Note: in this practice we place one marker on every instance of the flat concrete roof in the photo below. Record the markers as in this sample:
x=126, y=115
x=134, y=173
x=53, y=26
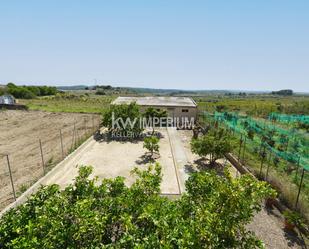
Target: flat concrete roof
x=156, y=101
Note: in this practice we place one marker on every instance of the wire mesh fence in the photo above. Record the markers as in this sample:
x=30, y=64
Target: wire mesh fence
x=21, y=169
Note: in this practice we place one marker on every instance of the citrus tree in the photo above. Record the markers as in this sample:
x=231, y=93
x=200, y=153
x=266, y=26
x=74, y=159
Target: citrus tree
x=151, y=144
x=152, y=113
x=211, y=214
x=123, y=119
x=215, y=144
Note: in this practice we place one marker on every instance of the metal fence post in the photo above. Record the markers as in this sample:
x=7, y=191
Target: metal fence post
x=99, y=123
x=73, y=137
x=76, y=135
x=268, y=165
x=10, y=171
x=298, y=161
x=244, y=150
x=42, y=157
x=89, y=125
x=92, y=123
x=85, y=127
x=299, y=189
x=62, y=150
x=262, y=160
x=240, y=146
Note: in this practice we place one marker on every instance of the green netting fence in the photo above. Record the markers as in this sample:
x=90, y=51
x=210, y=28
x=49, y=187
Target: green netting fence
x=287, y=118
x=267, y=141
x=287, y=144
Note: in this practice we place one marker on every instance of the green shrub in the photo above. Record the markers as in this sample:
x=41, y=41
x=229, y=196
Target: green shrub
x=100, y=92
x=216, y=143
x=123, y=119
x=151, y=144
x=20, y=92
x=151, y=113
x=211, y=214
x=29, y=92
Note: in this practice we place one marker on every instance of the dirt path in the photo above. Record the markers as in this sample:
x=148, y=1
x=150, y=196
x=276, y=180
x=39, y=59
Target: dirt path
x=268, y=226
x=20, y=132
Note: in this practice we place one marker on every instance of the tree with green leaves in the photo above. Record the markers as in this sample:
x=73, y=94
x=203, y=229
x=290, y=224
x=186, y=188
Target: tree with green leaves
x=152, y=113
x=211, y=214
x=29, y=92
x=20, y=92
x=151, y=144
x=215, y=144
x=123, y=119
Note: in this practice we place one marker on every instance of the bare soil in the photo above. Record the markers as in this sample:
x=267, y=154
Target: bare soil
x=20, y=132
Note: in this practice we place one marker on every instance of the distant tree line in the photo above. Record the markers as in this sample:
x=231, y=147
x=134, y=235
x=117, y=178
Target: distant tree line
x=285, y=92
x=28, y=92
x=100, y=90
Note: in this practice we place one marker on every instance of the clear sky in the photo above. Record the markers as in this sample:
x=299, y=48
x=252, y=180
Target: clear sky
x=231, y=44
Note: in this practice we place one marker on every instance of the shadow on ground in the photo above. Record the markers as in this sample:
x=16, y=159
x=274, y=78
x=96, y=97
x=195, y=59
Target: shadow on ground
x=107, y=137
x=147, y=158
x=293, y=238
x=203, y=164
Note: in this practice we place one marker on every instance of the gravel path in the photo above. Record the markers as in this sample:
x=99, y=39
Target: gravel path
x=268, y=226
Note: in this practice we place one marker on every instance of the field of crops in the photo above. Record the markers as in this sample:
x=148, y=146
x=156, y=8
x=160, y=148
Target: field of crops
x=69, y=103
x=257, y=105
x=275, y=153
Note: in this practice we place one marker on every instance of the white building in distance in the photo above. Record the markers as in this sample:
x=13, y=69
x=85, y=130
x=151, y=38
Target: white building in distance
x=176, y=107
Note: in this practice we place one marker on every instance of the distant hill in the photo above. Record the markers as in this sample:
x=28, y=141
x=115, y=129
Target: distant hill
x=140, y=90
x=72, y=88
x=172, y=92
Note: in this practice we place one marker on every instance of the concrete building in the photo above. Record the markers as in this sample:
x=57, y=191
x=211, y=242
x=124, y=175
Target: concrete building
x=176, y=107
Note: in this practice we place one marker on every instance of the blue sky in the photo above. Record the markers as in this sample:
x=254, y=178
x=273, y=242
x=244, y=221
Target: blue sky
x=249, y=45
